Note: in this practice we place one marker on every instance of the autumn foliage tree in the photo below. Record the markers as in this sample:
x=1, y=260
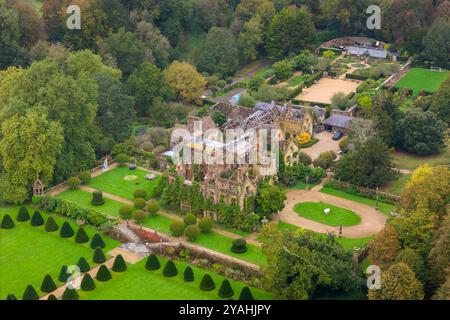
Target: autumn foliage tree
x=185, y=81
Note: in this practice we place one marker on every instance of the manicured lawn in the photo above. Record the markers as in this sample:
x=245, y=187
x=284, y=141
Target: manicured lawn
x=396, y=186
x=110, y=208
x=419, y=79
x=137, y=283
x=409, y=161
x=337, y=217
x=297, y=80
x=29, y=253
x=113, y=182
x=385, y=208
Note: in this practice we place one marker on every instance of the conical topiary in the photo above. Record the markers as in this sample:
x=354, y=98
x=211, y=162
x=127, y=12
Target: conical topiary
x=70, y=294
x=99, y=256
x=225, y=290
x=48, y=285
x=81, y=236
x=103, y=274
x=30, y=293
x=246, y=294
x=170, y=270
x=87, y=284
x=50, y=225
x=119, y=264
x=66, y=230
x=36, y=219
x=52, y=297
x=83, y=265
x=7, y=222
x=188, y=274
x=97, y=241
x=11, y=297
x=152, y=263
x=63, y=275
x=207, y=283
x=23, y=214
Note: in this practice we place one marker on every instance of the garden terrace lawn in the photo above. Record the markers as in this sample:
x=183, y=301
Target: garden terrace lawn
x=419, y=79
x=410, y=161
x=385, y=208
x=337, y=217
x=137, y=283
x=113, y=182
x=396, y=186
x=29, y=253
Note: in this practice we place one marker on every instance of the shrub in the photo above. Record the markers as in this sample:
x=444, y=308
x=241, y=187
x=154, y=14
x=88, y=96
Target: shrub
x=125, y=212
x=30, y=293
x=11, y=297
x=207, y=283
x=119, y=264
x=190, y=219
x=66, y=230
x=139, y=203
x=177, y=228
x=83, y=265
x=188, y=275
x=70, y=294
x=225, y=290
x=97, y=242
x=52, y=297
x=325, y=159
x=99, y=256
x=7, y=222
x=246, y=294
x=247, y=101
x=147, y=146
x=48, y=285
x=122, y=159
x=85, y=177
x=283, y=69
x=239, y=246
x=73, y=182
x=170, y=269
x=36, y=219
x=304, y=158
x=63, y=275
x=103, y=274
x=205, y=225
x=51, y=225
x=191, y=232
x=139, y=193
x=36, y=200
x=23, y=214
x=87, y=284
x=152, y=208
x=81, y=236
x=152, y=263
x=139, y=216
x=97, y=198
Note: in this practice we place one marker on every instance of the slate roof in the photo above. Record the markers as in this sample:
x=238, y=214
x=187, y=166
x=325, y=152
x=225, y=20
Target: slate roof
x=360, y=51
x=339, y=121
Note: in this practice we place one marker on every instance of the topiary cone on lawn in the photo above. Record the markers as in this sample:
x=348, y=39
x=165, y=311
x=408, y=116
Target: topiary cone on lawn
x=170, y=270
x=103, y=274
x=81, y=236
x=50, y=225
x=119, y=264
x=87, y=284
x=188, y=275
x=83, y=265
x=63, y=275
x=70, y=294
x=23, y=214
x=97, y=241
x=52, y=297
x=152, y=263
x=99, y=256
x=246, y=294
x=7, y=222
x=48, y=285
x=207, y=283
x=36, y=219
x=66, y=230
x=30, y=293
x=11, y=297
x=225, y=290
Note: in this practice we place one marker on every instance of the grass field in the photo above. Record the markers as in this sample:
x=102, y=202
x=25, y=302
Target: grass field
x=113, y=182
x=337, y=217
x=137, y=283
x=409, y=161
x=385, y=208
x=29, y=253
x=419, y=79
x=396, y=186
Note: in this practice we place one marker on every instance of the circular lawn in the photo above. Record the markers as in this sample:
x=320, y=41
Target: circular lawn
x=336, y=217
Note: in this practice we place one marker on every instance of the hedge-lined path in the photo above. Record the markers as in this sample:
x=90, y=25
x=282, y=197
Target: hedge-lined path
x=128, y=256
x=372, y=220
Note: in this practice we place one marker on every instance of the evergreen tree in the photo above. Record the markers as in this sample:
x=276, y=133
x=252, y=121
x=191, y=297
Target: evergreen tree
x=11, y=297
x=70, y=294
x=23, y=214
x=152, y=263
x=36, y=219
x=50, y=225
x=188, y=274
x=207, y=283
x=66, y=230
x=246, y=294
x=225, y=290
x=7, y=222
x=119, y=264
x=52, y=297
x=87, y=284
x=97, y=241
x=83, y=265
x=103, y=274
x=30, y=293
x=63, y=275
x=170, y=269
x=81, y=236
x=48, y=285
x=99, y=256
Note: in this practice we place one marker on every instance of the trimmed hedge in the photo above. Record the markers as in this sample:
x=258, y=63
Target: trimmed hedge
x=139, y=193
x=139, y=203
x=30, y=293
x=191, y=232
x=170, y=270
x=83, y=265
x=239, y=246
x=152, y=263
x=70, y=294
x=52, y=297
x=48, y=285
x=36, y=219
x=97, y=198
x=315, y=77
x=207, y=283
x=225, y=290
x=81, y=236
x=246, y=294
x=66, y=230
x=87, y=284
x=51, y=225
x=99, y=256
x=190, y=219
x=177, y=228
x=23, y=214
x=63, y=275
x=119, y=264
x=97, y=241
x=205, y=225
x=356, y=77
x=188, y=275
x=103, y=274
x=7, y=222
x=11, y=297
x=85, y=177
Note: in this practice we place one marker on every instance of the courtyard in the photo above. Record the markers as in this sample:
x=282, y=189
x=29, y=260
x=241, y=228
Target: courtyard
x=326, y=88
x=325, y=143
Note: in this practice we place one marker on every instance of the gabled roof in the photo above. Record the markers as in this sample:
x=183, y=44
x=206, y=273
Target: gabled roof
x=372, y=52
x=338, y=120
